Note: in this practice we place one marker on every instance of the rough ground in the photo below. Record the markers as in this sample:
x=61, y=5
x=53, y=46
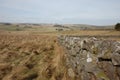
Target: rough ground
x=44, y=56
x=30, y=57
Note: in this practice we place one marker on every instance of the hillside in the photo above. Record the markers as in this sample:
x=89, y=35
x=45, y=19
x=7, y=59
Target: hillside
x=49, y=27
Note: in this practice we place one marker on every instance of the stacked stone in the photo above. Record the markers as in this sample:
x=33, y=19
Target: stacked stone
x=91, y=58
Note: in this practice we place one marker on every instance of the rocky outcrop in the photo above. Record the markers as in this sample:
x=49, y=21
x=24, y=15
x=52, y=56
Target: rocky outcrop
x=91, y=58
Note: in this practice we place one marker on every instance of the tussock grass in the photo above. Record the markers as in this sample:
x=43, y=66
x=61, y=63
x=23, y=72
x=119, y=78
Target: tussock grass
x=32, y=56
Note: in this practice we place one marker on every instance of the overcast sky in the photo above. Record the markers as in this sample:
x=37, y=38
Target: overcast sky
x=95, y=12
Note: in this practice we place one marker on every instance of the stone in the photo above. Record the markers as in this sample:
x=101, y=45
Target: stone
x=71, y=72
x=116, y=59
x=109, y=70
x=91, y=58
x=118, y=72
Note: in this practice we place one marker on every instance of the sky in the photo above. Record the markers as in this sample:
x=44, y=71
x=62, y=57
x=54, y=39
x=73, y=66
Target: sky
x=94, y=12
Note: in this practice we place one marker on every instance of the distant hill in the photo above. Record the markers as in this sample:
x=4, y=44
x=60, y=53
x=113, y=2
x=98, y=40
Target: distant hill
x=50, y=27
x=84, y=26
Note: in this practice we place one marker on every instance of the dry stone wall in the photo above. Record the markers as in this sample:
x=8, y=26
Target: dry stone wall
x=91, y=58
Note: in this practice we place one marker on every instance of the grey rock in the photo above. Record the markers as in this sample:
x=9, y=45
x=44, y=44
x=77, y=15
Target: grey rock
x=116, y=59
x=103, y=56
x=71, y=72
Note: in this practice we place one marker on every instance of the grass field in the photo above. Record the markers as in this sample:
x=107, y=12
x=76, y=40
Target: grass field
x=28, y=57
x=37, y=55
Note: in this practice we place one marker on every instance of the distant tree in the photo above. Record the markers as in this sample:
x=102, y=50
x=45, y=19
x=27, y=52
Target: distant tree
x=17, y=29
x=59, y=29
x=117, y=27
x=56, y=25
x=7, y=23
x=17, y=25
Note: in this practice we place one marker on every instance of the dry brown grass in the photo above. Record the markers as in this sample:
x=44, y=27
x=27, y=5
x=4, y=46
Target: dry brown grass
x=93, y=32
x=28, y=55
x=113, y=35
